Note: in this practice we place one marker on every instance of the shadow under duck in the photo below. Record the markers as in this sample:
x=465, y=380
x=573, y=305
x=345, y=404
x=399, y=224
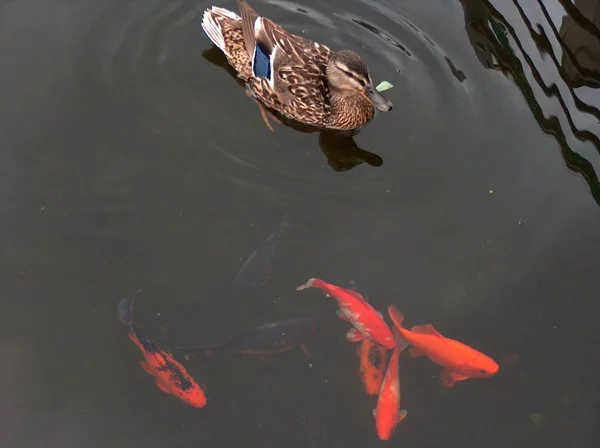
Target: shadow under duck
x=298, y=78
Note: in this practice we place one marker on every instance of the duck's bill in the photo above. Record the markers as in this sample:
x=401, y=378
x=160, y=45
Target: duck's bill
x=378, y=100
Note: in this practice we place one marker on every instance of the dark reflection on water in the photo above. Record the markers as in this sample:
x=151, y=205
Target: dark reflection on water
x=491, y=36
x=458, y=74
x=129, y=161
x=580, y=40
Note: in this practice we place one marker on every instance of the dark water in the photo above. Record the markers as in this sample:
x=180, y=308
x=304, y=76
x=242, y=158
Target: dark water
x=131, y=160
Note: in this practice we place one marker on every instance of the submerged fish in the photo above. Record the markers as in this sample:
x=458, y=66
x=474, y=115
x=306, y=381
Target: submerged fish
x=373, y=359
x=169, y=375
x=367, y=321
x=459, y=361
x=388, y=413
x=258, y=265
x=267, y=339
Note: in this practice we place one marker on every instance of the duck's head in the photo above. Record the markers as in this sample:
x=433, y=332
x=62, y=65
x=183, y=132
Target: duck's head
x=348, y=73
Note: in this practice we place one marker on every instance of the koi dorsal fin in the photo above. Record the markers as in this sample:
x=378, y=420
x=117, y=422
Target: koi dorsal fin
x=356, y=295
x=425, y=329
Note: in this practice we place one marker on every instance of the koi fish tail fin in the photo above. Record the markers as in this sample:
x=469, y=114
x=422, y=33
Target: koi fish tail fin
x=401, y=343
x=125, y=310
x=307, y=285
x=396, y=316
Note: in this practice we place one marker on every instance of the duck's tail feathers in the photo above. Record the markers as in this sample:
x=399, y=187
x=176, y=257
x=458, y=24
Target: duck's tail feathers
x=212, y=27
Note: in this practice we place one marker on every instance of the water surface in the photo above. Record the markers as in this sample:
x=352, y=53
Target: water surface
x=131, y=159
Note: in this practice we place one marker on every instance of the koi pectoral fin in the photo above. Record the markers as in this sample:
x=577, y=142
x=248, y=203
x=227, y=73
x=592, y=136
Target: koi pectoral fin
x=147, y=367
x=162, y=386
x=401, y=415
x=449, y=378
x=353, y=335
x=446, y=380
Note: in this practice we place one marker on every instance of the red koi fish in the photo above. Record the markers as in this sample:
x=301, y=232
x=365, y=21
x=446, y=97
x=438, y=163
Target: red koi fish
x=367, y=321
x=459, y=361
x=169, y=375
x=373, y=359
x=387, y=414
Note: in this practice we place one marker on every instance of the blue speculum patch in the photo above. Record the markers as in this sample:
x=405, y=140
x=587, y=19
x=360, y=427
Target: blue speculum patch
x=262, y=63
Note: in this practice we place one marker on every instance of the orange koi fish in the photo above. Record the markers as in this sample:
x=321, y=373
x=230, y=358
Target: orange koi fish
x=367, y=321
x=169, y=375
x=459, y=361
x=373, y=359
x=387, y=414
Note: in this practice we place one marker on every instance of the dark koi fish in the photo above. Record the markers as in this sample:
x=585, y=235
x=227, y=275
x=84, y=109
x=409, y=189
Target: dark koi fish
x=267, y=339
x=258, y=265
x=169, y=375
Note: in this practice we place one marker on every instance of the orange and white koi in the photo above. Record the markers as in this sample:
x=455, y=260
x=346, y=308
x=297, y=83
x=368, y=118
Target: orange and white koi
x=353, y=308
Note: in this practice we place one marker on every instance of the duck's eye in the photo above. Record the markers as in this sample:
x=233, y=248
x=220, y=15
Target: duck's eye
x=356, y=78
x=482, y=371
x=353, y=76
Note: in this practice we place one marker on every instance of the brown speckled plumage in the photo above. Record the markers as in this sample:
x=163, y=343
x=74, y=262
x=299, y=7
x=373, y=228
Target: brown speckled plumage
x=301, y=89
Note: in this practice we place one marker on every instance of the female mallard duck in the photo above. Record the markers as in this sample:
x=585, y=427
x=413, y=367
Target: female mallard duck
x=302, y=80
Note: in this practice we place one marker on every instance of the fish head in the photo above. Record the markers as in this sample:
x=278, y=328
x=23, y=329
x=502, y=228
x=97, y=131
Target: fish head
x=385, y=427
x=196, y=397
x=482, y=366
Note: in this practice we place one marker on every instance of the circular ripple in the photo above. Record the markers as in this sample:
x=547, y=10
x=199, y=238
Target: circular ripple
x=154, y=67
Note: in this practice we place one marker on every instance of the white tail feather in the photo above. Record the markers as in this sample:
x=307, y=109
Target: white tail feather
x=211, y=25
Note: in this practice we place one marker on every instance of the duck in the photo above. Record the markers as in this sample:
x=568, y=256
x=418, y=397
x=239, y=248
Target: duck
x=299, y=79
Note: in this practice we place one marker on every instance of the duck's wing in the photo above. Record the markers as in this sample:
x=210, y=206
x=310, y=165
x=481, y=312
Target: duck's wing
x=249, y=17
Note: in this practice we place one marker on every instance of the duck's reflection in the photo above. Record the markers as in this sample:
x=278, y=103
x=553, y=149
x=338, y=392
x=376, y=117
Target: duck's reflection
x=492, y=39
x=339, y=147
